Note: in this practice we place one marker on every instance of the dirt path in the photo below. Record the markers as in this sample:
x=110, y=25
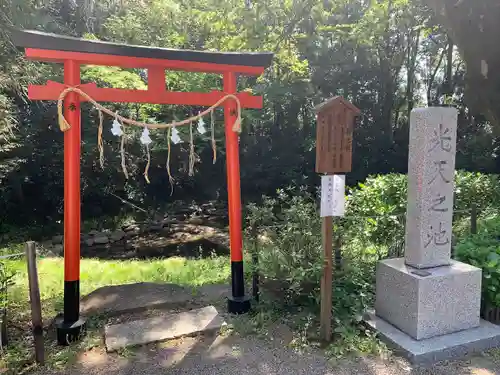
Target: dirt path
x=233, y=355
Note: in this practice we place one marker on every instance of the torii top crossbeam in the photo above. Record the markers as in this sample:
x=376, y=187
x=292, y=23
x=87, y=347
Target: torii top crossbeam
x=75, y=52
x=60, y=49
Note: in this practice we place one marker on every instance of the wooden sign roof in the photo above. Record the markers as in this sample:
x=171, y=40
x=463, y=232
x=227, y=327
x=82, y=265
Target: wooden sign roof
x=336, y=100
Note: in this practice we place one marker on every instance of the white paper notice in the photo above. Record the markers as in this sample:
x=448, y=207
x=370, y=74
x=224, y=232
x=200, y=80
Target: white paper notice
x=333, y=195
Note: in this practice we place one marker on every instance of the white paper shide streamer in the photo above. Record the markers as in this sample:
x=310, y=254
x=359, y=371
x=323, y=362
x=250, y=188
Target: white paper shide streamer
x=175, y=136
x=201, y=126
x=116, y=128
x=145, y=138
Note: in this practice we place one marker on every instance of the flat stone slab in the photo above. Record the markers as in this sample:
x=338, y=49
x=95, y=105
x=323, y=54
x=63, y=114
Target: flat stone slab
x=162, y=328
x=118, y=299
x=439, y=348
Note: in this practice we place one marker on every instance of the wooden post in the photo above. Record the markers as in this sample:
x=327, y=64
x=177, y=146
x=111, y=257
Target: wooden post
x=334, y=135
x=473, y=219
x=338, y=250
x=327, y=279
x=36, y=307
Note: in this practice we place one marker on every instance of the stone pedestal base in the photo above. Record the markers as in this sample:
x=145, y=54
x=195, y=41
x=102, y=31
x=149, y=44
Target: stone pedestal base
x=439, y=348
x=431, y=302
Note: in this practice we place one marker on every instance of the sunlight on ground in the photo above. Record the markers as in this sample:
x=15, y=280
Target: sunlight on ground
x=481, y=371
x=165, y=354
x=97, y=273
x=174, y=351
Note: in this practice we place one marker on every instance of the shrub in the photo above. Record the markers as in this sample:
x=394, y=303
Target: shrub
x=291, y=255
x=478, y=188
x=291, y=252
x=483, y=250
x=376, y=212
x=382, y=201
x=6, y=276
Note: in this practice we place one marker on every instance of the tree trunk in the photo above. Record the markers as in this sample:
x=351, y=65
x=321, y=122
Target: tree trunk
x=473, y=26
x=413, y=45
x=448, y=79
x=432, y=78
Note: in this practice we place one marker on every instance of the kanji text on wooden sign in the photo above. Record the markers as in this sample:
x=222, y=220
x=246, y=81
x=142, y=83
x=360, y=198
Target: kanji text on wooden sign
x=335, y=123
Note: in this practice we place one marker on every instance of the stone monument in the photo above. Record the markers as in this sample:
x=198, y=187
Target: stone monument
x=426, y=294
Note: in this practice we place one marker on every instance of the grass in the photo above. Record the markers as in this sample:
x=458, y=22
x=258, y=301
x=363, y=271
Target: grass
x=94, y=273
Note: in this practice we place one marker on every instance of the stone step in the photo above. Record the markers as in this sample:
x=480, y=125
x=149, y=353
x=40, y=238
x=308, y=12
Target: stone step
x=162, y=328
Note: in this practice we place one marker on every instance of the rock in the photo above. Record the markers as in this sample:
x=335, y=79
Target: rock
x=58, y=250
x=169, y=221
x=195, y=221
x=214, y=222
x=84, y=237
x=101, y=240
x=89, y=242
x=93, y=232
x=57, y=240
x=180, y=217
x=47, y=253
x=132, y=234
x=154, y=227
x=167, y=231
x=130, y=227
x=117, y=235
x=46, y=245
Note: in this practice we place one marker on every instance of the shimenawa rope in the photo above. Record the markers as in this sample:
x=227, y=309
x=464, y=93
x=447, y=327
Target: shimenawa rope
x=64, y=126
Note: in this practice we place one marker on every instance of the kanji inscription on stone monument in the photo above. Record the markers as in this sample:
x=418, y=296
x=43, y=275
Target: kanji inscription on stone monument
x=431, y=170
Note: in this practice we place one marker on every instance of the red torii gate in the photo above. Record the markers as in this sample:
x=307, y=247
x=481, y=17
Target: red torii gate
x=74, y=52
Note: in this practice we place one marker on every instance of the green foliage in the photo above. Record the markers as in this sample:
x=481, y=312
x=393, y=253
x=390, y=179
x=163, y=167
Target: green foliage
x=374, y=227
x=367, y=51
x=483, y=250
x=376, y=208
x=6, y=276
x=292, y=249
x=290, y=254
x=481, y=189
x=288, y=228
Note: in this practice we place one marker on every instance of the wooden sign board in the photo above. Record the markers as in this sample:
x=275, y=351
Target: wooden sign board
x=335, y=124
